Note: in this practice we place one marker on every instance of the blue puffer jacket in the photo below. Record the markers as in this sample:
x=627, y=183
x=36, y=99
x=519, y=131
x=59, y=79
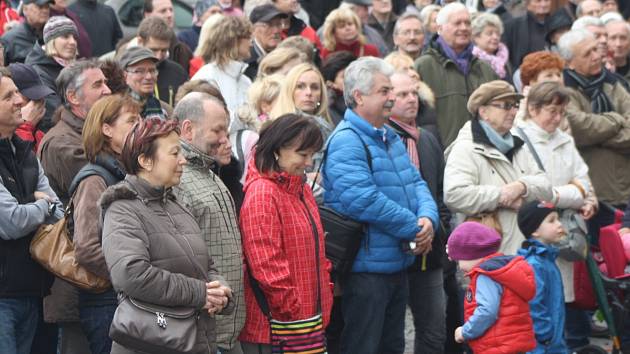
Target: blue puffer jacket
x=389, y=198
x=547, y=307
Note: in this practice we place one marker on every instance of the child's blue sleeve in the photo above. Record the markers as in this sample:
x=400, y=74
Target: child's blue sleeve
x=488, y=298
x=538, y=307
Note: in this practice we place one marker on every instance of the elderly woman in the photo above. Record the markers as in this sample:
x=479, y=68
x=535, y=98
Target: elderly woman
x=342, y=31
x=224, y=51
x=104, y=133
x=559, y=157
x=283, y=239
x=489, y=173
x=487, y=29
x=152, y=244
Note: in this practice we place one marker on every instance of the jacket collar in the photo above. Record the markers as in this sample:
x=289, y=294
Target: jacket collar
x=147, y=192
x=235, y=68
x=363, y=126
x=289, y=183
x=196, y=157
x=479, y=137
x=434, y=49
x=535, y=247
x=537, y=135
x=74, y=122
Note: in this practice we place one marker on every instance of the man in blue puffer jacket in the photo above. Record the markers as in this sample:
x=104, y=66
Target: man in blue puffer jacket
x=389, y=196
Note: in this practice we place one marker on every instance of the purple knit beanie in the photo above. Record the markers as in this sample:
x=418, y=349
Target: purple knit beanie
x=472, y=240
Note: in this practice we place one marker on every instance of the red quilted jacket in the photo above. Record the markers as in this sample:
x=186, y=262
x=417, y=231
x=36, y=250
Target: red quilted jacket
x=513, y=331
x=279, y=250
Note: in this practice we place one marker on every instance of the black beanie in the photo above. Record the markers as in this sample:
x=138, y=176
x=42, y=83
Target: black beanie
x=532, y=214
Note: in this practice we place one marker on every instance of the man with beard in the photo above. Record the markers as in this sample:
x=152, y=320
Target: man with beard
x=409, y=35
x=204, y=131
x=268, y=24
x=368, y=177
x=140, y=71
x=427, y=300
x=526, y=34
x=155, y=35
x=101, y=24
x=451, y=70
x=19, y=41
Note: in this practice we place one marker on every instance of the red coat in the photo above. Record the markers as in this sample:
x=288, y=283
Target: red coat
x=513, y=331
x=279, y=250
x=358, y=49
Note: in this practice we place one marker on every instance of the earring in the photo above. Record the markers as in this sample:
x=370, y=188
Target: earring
x=276, y=156
x=319, y=104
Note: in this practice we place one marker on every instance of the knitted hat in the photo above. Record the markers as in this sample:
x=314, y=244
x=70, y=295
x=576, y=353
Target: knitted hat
x=472, y=240
x=532, y=214
x=58, y=26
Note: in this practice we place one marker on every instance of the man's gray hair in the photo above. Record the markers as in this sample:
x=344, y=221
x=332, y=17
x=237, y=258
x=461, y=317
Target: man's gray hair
x=611, y=17
x=587, y=21
x=191, y=108
x=627, y=25
x=359, y=76
x=406, y=16
x=568, y=41
x=448, y=10
x=72, y=77
x=484, y=20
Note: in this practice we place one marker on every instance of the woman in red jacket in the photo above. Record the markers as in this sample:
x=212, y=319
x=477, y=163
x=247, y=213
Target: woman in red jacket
x=281, y=231
x=342, y=32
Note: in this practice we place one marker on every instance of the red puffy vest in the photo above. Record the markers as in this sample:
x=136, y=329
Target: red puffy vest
x=513, y=331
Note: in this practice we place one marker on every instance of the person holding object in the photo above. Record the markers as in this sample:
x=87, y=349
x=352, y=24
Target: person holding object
x=148, y=236
x=368, y=176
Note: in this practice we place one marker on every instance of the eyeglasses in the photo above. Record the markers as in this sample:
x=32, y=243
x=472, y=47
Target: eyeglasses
x=506, y=106
x=143, y=72
x=279, y=24
x=409, y=33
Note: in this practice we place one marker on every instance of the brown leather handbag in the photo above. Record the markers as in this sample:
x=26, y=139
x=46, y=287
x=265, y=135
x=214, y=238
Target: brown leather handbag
x=53, y=249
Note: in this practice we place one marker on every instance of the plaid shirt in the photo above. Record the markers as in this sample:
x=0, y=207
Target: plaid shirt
x=279, y=249
x=210, y=202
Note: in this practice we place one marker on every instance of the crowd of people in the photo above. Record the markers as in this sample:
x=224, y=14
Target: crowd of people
x=193, y=159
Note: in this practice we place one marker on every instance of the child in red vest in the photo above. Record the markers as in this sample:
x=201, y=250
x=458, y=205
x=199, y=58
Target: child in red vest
x=496, y=308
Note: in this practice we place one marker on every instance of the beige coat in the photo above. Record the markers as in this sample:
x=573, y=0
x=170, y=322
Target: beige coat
x=604, y=142
x=476, y=171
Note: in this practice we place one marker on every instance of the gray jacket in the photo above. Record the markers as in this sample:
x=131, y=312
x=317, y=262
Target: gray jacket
x=143, y=256
x=211, y=204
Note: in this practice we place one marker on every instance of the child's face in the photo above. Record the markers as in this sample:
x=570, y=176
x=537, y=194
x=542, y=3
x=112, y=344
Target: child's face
x=550, y=230
x=468, y=265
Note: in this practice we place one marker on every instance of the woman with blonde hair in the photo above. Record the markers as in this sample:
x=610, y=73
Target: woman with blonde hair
x=280, y=61
x=224, y=51
x=343, y=31
x=263, y=94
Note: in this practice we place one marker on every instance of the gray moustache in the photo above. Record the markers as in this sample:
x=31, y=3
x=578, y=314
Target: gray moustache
x=389, y=104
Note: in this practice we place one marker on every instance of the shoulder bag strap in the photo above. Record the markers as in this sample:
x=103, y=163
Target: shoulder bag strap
x=367, y=153
x=530, y=146
x=316, y=236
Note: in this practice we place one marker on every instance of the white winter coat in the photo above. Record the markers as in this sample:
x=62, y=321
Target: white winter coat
x=563, y=164
x=475, y=173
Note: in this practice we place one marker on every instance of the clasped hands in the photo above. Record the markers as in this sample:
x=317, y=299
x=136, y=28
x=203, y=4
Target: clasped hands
x=511, y=196
x=424, y=238
x=217, y=297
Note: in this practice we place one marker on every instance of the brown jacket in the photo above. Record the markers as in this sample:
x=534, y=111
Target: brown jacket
x=604, y=142
x=61, y=153
x=141, y=227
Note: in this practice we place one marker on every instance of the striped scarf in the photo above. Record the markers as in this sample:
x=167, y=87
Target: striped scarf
x=412, y=147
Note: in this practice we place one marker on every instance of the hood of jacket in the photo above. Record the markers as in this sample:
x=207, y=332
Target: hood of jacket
x=290, y=183
x=512, y=272
x=38, y=57
x=134, y=187
x=535, y=247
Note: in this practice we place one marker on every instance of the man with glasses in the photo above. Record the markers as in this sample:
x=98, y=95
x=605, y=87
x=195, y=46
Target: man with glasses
x=409, y=35
x=268, y=25
x=155, y=35
x=141, y=73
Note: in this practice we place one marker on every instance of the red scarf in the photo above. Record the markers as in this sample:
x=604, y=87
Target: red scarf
x=412, y=148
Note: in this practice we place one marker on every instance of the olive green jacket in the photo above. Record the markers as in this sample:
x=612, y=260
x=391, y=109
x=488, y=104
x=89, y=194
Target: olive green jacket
x=451, y=87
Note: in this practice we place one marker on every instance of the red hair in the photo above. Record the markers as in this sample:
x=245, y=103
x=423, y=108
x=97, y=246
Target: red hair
x=537, y=62
x=141, y=141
